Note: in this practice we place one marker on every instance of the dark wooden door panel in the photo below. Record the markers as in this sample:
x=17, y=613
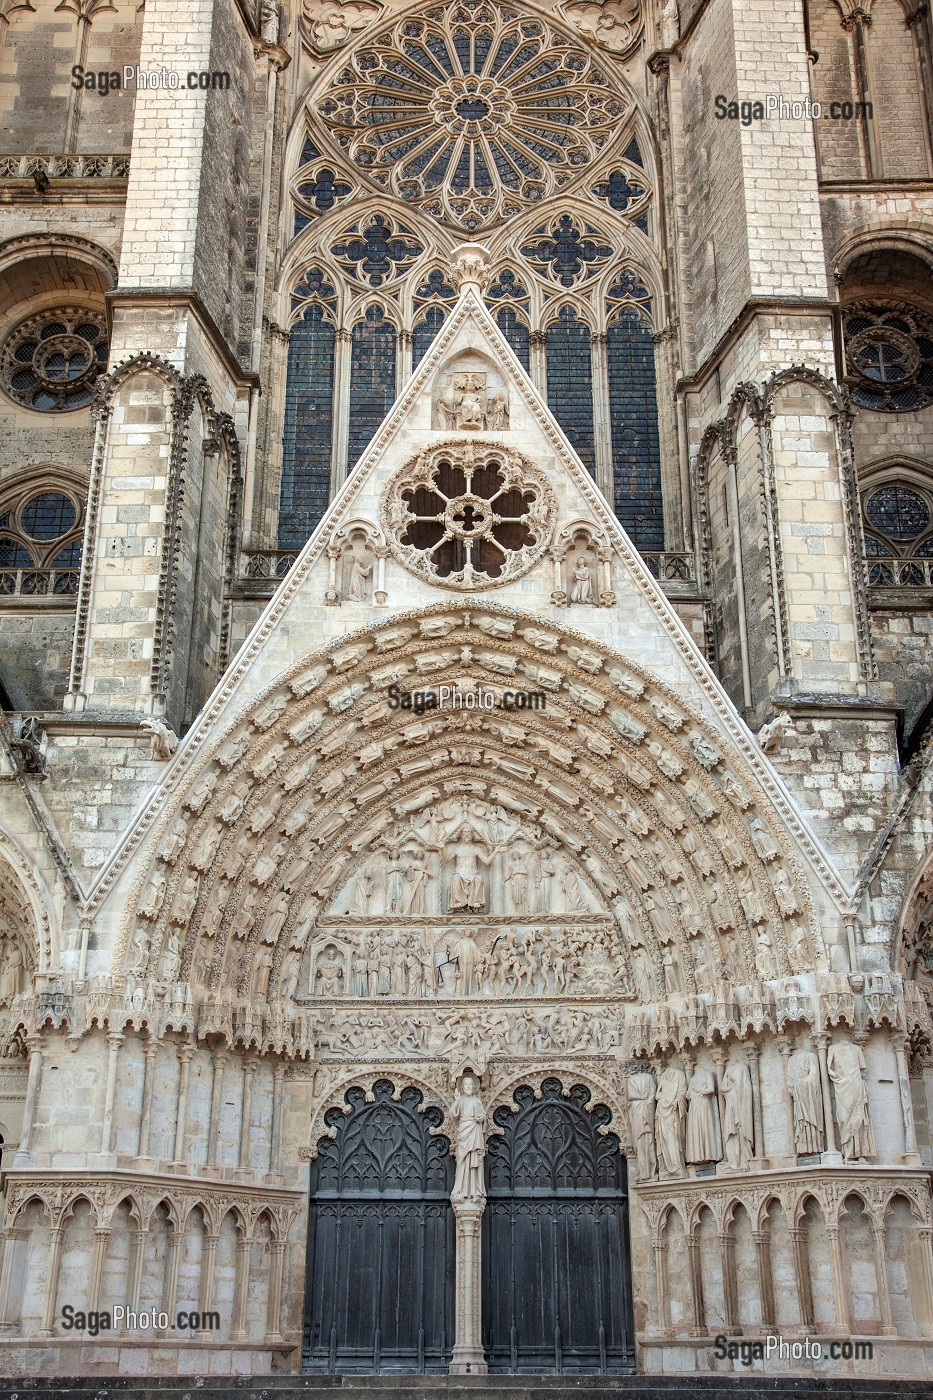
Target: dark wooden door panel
x=379, y=1292
x=556, y=1270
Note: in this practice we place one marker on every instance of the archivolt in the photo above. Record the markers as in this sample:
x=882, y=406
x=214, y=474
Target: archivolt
x=632, y=785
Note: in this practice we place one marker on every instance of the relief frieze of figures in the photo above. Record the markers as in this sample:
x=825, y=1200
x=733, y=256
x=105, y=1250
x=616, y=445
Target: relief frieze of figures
x=473, y=961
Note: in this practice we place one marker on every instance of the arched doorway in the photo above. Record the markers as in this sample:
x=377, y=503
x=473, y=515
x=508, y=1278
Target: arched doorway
x=557, y=1292
x=379, y=1295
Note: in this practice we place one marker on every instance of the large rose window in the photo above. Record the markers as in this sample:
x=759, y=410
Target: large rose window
x=469, y=516
x=473, y=111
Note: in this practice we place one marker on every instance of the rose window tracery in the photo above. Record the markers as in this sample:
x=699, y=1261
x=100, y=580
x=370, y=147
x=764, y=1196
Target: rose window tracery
x=51, y=361
x=566, y=252
x=469, y=516
x=473, y=111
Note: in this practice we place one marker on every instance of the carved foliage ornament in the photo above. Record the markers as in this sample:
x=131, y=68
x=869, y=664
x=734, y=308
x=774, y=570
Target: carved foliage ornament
x=469, y=516
x=472, y=111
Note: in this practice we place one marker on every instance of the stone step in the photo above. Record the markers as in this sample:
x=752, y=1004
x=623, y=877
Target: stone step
x=671, y=1387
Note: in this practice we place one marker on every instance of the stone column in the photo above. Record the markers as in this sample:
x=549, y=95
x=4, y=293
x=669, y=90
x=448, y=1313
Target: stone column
x=925, y=1236
x=602, y=430
x=341, y=428
x=911, y=1156
x=249, y=1069
x=23, y=1156
x=752, y=1057
x=831, y=1156
x=468, y=1357
x=274, y=1307
x=380, y=596
x=185, y=1053
x=275, y=1136
x=881, y=1271
x=696, y=1285
x=840, y=1291
x=135, y=1272
x=170, y=1286
x=220, y=1060
x=150, y=1050
x=762, y=1242
x=801, y=1244
x=114, y=1041
x=238, y=1331
x=101, y=1236
x=729, y=1283
x=208, y=1260
x=661, y=1283
x=12, y=1237
x=51, y=1282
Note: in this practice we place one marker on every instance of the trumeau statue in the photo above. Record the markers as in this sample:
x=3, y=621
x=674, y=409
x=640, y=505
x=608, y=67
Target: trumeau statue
x=468, y=1117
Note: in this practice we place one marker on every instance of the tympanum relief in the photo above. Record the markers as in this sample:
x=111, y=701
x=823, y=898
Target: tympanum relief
x=469, y=402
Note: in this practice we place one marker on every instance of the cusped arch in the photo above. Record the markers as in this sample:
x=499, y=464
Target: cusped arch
x=601, y=1091
x=23, y=890
x=337, y=1098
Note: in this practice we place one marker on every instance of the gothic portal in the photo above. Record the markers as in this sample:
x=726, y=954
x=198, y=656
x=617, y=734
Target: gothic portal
x=466, y=678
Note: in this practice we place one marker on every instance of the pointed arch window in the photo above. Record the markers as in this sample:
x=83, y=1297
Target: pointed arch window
x=633, y=420
x=41, y=541
x=309, y=413
x=373, y=353
x=570, y=382
x=430, y=301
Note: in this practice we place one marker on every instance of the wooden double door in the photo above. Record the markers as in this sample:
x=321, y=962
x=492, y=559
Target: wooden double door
x=381, y=1261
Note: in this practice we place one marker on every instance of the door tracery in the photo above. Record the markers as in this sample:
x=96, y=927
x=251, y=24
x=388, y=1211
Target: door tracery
x=379, y=1294
x=556, y=1270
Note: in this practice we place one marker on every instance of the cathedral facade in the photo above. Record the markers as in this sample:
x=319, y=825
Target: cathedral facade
x=466, y=668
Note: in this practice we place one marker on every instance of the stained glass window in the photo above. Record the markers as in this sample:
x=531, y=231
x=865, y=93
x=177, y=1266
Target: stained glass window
x=309, y=406
x=889, y=355
x=897, y=524
x=570, y=382
x=372, y=379
x=633, y=414
x=424, y=332
x=515, y=332
x=48, y=517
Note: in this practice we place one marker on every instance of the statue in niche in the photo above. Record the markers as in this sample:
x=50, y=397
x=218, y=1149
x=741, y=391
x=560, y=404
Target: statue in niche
x=13, y=970
x=417, y=876
x=288, y=977
x=185, y=901
x=359, y=575
x=152, y=900
x=268, y=864
x=762, y=840
x=465, y=952
x=361, y=902
x=468, y=1115
x=846, y=1065
x=803, y=1081
x=171, y=958
x=570, y=888
x=784, y=894
x=328, y=979
x=581, y=582
x=516, y=878
x=262, y=969
x=269, y=21
x=275, y=918
x=645, y=987
x=737, y=1114
x=139, y=954
x=669, y=1119
x=467, y=886
x=393, y=885
x=641, y=1091
x=673, y=974
x=466, y=404
x=797, y=954
x=766, y=964
x=704, y=1143
x=542, y=866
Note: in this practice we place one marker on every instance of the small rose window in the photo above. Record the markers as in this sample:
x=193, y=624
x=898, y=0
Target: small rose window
x=468, y=516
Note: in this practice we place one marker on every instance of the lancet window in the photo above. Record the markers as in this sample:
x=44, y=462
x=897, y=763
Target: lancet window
x=471, y=120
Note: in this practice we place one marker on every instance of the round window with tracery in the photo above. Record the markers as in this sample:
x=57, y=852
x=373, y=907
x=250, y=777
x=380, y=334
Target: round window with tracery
x=889, y=357
x=473, y=110
x=469, y=516
x=51, y=361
